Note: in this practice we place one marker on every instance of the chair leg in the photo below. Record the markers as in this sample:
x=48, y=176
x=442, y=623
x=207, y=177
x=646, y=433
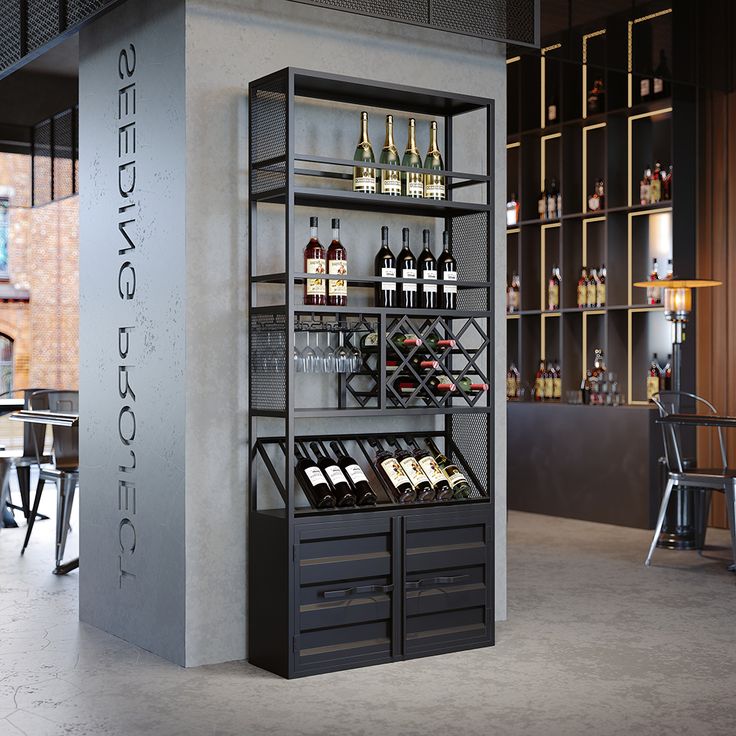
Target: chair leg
x=67, y=486
x=731, y=508
x=24, y=484
x=34, y=513
x=702, y=511
x=660, y=520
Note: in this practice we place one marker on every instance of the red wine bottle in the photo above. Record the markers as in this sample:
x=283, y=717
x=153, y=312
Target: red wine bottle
x=337, y=265
x=315, y=293
x=427, y=270
x=392, y=474
x=335, y=476
x=406, y=270
x=385, y=267
x=316, y=487
x=424, y=489
x=429, y=465
x=364, y=494
x=447, y=272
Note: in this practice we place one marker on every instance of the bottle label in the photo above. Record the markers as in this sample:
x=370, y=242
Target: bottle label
x=539, y=387
x=582, y=295
x=549, y=388
x=314, y=475
x=554, y=296
x=513, y=301
x=335, y=474
x=388, y=273
x=431, y=470
x=364, y=180
x=434, y=187
x=409, y=273
x=450, y=276
x=454, y=475
x=658, y=85
x=338, y=287
x=652, y=386
x=390, y=182
x=594, y=203
x=601, y=291
x=644, y=87
x=552, y=113
x=414, y=185
x=370, y=340
x=511, y=388
x=429, y=274
x=542, y=208
x=356, y=473
x=315, y=287
x=591, y=294
x=394, y=472
x=413, y=471
x=556, y=388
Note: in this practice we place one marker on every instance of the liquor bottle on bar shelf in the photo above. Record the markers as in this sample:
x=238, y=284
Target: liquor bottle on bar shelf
x=315, y=293
x=592, y=298
x=313, y=482
x=554, y=201
x=440, y=484
x=458, y=482
x=392, y=474
x=645, y=86
x=337, y=264
x=557, y=381
x=447, y=272
x=513, y=209
x=412, y=185
x=601, y=287
x=539, y=381
x=542, y=203
x=513, y=382
x=667, y=184
x=583, y=288
x=553, y=290
x=654, y=293
x=662, y=75
x=406, y=270
x=513, y=294
x=645, y=187
x=413, y=471
x=364, y=177
x=596, y=98
x=364, y=494
x=549, y=382
x=434, y=184
x=596, y=201
x=654, y=378
x=552, y=111
x=655, y=188
x=390, y=178
x=669, y=275
x=385, y=267
x=427, y=270
x=666, y=383
x=336, y=478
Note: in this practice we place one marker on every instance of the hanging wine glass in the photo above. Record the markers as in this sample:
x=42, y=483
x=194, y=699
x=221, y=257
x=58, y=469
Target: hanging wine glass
x=298, y=357
x=356, y=357
x=328, y=361
x=342, y=355
x=310, y=359
x=319, y=356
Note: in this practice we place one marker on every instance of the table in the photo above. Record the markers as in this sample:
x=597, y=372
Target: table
x=6, y=407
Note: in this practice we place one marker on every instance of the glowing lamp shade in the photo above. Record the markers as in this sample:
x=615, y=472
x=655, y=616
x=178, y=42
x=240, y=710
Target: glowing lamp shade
x=678, y=303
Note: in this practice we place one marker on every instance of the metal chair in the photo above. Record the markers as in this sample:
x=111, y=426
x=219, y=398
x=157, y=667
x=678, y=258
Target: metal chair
x=704, y=479
x=64, y=471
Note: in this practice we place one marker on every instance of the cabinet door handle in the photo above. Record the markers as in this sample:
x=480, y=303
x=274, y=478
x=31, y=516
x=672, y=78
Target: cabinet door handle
x=439, y=580
x=345, y=592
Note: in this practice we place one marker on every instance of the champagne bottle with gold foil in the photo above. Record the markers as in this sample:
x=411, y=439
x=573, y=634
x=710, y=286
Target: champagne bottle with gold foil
x=412, y=185
x=434, y=184
x=390, y=178
x=364, y=177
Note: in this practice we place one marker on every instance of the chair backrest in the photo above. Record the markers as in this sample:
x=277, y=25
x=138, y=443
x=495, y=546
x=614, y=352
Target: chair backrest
x=66, y=439
x=34, y=435
x=680, y=402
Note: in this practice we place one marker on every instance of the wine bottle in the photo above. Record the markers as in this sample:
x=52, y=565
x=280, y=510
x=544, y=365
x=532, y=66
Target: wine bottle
x=469, y=386
x=447, y=271
x=458, y=482
x=312, y=480
x=593, y=288
x=434, y=184
x=539, y=381
x=654, y=293
x=438, y=343
x=406, y=269
x=413, y=470
x=549, y=382
x=392, y=474
x=601, y=287
x=438, y=385
x=412, y=185
x=339, y=483
x=667, y=374
x=401, y=341
x=364, y=177
x=364, y=494
x=513, y=294
x=553, y=290
x=557, y=381
x=385, y=267
x=654, y=378
x=314, y=262
x=583, y=288
x=427, y=270
x=390, y=178
x=442, y=489
x=337, y=264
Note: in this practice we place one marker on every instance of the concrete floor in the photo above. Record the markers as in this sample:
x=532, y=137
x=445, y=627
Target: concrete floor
x=596, y=644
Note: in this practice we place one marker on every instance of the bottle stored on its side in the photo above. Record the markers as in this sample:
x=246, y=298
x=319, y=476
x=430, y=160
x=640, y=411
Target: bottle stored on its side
x=428, y=271
x=447, y=272
x=438, y=343
x=406, y=270
x=434, y=184
x=442, y=489
x=364, y=176
x=315, y=293
x=458, y=482
x=337, y=265
x=412, y=185
x=385, y=267
x=469, y=386
x=438, y=385
x=410, y=466
x=390, y=178
x=312, y=480
x=392, y=474
x=332, y=471
x=364, y=494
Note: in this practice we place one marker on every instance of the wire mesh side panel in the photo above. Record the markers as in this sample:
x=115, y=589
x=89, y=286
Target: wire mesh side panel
x=79, y=10
x=9, y=32
x=63, y=162
x=268, y=362
x=471, y=435
x=470, y=248
x=267, y=135
x=43, y=22
x=42, y=164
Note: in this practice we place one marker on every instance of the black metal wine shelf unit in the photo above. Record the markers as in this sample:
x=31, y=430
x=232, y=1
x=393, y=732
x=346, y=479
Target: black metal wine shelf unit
x=344, y=587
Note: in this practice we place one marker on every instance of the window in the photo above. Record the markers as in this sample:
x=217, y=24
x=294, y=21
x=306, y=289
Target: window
x=6, y=364
x=4, y=235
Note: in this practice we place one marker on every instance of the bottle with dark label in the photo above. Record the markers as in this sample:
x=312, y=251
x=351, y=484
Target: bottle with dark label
x=337, y=264
x=392, y=474
x=410, y=466
x=667, y=374
x=342, y=490
x=469, y=386
x=390, y=178
x=364, y=177
x=447, y=272
x=427, y=270
x=406, y=270
x=364, y=494
x=458, y=482
x=434, y=184
x=412, y=185
x=313, y=482
x=315, y=293
x=438, y=343
x=385, y=267
x=442, y=489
